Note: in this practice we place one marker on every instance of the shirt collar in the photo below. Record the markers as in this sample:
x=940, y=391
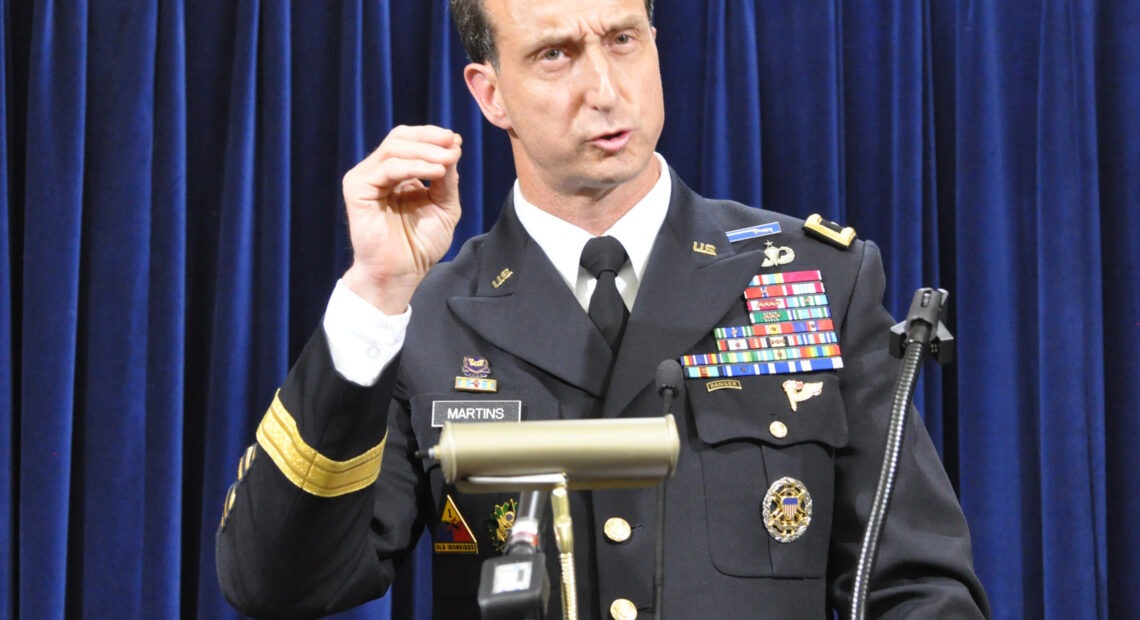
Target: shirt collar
x=636, y=230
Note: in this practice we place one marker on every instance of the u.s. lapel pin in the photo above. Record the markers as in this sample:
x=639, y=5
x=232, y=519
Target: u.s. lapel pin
x=503, y=276
x=476, y=376
x=704, y=248
x=798, y=391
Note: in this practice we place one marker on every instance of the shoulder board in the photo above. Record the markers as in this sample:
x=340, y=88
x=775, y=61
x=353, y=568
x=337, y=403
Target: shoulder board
x=829, y=232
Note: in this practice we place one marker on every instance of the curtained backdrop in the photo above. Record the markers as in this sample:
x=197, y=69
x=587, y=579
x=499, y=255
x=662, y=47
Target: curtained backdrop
x=171, y=226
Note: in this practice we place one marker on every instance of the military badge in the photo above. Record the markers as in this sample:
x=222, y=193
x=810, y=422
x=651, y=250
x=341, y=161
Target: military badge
x=787, y=510
x=798, y=391
x=476, y=367
x=500, y=522
x=776, y=256
x=452, y=535
x=476, y=376
x=762, y=230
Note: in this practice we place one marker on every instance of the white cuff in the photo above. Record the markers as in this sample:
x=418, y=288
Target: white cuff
x=362, y=339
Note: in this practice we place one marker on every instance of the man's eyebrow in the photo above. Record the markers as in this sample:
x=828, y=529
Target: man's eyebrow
x=557, y=37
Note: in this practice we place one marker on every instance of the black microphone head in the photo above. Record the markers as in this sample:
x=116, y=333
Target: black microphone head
x=670, y=377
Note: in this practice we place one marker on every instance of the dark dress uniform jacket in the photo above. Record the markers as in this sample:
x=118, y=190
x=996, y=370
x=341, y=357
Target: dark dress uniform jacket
x=285, y=551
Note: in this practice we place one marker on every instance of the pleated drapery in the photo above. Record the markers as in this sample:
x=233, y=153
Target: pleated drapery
x=171, y=226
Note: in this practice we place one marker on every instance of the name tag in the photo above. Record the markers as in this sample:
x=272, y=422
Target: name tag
x=475, y=411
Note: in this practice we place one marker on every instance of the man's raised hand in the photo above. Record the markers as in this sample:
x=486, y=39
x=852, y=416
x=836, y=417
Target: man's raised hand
x=400, y=227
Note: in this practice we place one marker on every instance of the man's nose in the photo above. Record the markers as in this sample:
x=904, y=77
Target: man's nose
x=600, y=79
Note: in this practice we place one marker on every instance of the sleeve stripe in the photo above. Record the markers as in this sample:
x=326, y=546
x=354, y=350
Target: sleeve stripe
x=311, y=471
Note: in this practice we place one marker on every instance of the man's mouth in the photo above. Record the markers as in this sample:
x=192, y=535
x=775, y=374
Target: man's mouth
x=612, y=142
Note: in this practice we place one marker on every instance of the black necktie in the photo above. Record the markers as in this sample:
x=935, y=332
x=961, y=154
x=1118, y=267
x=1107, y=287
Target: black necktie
x=603, y=257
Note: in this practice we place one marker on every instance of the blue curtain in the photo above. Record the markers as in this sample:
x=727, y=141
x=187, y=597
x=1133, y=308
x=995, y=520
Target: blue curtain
x=171, y=226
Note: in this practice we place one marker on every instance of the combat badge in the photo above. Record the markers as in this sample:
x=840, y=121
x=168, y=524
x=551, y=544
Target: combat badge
x=787, y=510
x=453, y=535
x=476, y=376
x=798, y=391
x=500, y=522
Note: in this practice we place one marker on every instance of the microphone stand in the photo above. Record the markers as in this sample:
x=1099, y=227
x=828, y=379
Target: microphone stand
x=920, y=336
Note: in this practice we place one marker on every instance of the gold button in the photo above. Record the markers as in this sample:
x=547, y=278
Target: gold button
x=623, y=609
x=617, y=529
x=778, y=429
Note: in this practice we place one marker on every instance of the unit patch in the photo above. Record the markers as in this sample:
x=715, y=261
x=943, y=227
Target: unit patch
x=787, y=510
x=452, y=535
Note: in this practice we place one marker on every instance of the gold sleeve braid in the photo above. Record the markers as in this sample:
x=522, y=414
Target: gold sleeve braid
x=311, y=471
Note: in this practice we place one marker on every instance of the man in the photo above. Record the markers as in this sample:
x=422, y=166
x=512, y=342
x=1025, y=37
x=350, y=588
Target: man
x=779, y=459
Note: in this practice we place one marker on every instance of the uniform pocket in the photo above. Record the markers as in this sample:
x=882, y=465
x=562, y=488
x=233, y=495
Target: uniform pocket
x=742, y=458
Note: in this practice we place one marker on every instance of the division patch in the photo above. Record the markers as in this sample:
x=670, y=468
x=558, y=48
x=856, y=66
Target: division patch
x=453, y=535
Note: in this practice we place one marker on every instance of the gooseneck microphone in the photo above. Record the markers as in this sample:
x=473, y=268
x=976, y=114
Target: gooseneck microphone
x=670, y=382
x=920, y=336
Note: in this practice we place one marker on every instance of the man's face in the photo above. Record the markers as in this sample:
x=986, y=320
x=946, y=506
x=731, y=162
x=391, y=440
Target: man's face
x=578, y=87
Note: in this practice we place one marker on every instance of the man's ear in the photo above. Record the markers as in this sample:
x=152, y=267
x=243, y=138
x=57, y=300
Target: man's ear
x=483, y=82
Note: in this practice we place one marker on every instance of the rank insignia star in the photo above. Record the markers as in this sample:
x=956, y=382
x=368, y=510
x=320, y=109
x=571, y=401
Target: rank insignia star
x=799, y=391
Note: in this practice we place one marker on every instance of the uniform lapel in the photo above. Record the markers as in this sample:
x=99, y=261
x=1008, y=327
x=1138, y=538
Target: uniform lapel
x=686, y=290
x=523, y=306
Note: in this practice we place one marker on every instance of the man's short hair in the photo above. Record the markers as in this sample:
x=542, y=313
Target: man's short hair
x=475, y=29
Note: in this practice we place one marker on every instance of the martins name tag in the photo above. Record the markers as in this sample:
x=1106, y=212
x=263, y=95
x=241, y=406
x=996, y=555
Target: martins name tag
x=475, y=411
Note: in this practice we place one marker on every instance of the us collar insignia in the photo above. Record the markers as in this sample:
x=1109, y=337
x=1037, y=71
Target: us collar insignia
x=476, y=376
x=453, y=535
x=787, y=510
x=500, y=522
x=503, y=276
x=775, y=256
x=798, y=391
x=704, y=248
x=791, y=331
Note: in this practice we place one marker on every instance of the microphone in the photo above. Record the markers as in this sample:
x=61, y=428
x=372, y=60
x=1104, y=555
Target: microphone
x=515, y=585
x=670, y=386
x=670, y=382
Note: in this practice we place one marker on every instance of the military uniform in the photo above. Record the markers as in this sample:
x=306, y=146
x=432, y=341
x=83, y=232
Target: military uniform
x=764, y=514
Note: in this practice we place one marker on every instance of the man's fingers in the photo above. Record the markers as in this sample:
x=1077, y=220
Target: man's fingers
x=446, y=190
x=376, y=181
x=430, y=134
